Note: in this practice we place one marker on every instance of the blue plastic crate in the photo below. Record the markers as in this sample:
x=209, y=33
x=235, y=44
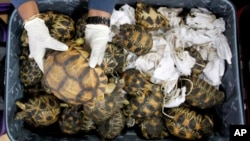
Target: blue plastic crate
x=231, y=112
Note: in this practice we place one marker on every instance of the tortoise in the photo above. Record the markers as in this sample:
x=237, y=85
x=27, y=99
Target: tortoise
x=114, y=59
x=142, y=106
x=201, y=94
x=112, y=127
x=42, y=110
x=88, y=124
x=134, y=38
x=200, y=64
x=70, y=78
x=80, y=26
x=114, y=101
x=188, y=124
x=136, y=83
x=148, y=17
x=153, y=128
x=61, y=27
x=70, y=121
x=29, y=72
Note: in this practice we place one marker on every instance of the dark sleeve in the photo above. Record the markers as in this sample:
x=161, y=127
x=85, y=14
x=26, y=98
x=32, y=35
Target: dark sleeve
x=17, y=3
x=105, y=5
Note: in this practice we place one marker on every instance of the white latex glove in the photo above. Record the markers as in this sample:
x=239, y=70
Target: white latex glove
x=40, y=39
x=97, y=36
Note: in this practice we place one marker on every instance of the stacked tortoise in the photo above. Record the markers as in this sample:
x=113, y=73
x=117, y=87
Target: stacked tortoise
x=188, y=124
x=70, y=121
x=148, y=17
x=134, y=38
x=61, y=27
x=42, y=110
x=68, y=75
x=201, y=94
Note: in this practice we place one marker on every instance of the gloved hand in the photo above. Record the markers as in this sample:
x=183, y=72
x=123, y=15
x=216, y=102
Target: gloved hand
x=40, y=39
x=97, y=36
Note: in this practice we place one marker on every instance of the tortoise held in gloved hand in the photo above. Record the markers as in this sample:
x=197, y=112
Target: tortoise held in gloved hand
x=42, y=110
x=70, y=78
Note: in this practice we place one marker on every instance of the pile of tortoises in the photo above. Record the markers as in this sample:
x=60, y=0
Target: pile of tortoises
x=108, y=99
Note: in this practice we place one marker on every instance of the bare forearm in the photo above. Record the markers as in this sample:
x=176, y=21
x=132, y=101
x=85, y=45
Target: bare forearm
x=28, y=9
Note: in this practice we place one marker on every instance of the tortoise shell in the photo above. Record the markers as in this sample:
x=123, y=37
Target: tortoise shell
x=136, y=83
x=61, y=27
x=70, y=78
x=112, y=127
x=148, y=17
x=202, y=94
x=80, y=26
x=88, y=123
x=29, y=72
x=143, y=106
x=153, y=128
x=42, y=110
x=134, y=38
x=188, y=124
x=70, y=121
x=200, y=64
x=113, y=102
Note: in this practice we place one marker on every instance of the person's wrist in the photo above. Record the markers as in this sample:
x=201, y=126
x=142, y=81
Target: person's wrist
x=98, y=20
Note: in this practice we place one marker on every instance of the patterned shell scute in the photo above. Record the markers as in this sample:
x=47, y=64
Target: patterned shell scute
x=153, y=128
x=112, y=127
x=187, y=124
x=70, y=121
x=135, y=82
x=144, y=105
x=80, y=26
x=114, y=101
x=70, y=78
x=148, y=17
x=202, y=94
x=134, y=38
x=42, y=110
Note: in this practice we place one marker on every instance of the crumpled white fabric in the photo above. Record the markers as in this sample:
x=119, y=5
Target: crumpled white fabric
x=130, y=61
x=214, y=71
x=172, y=15
x=182, y=60
x=175, y=98
x=191, y=36
x=147, y=63
x=200, y=18
x=223, y=49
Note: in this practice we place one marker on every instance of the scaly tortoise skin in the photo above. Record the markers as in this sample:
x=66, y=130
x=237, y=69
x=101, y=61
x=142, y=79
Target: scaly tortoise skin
x=70, y=121
x=153, y=128
x=200, y=64
x=70, y=78
x=42, y=110
x=148, y=17
x=113, y=102
x=134, y=38
x=202, y=94
x=61, y=27
x=112, y=127
x=136, y=83
x=187, y=124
